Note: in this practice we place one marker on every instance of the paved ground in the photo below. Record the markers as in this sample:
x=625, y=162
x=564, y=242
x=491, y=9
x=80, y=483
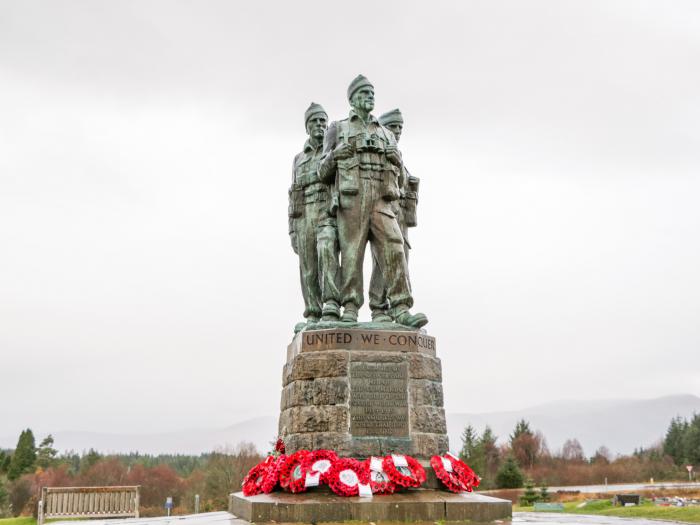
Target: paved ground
x=589, y=489
x=224, y=518
x=552, y=518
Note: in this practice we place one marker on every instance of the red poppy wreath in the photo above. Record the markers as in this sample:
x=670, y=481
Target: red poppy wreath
x=346, y=475
x=379, y=481
x=292, y=474
x=412, y=475
x=257, y=479
x=320, y=461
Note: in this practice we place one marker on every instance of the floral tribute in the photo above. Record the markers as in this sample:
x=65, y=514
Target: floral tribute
x=346, y=476
x=321, y=462
x=350, y=477
x=262, y=477
x=412, y=474
x=292, y=474
x=454, y=473
x=379, y=481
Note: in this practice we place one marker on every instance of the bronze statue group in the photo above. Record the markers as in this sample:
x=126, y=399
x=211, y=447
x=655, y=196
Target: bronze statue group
x=350, y=187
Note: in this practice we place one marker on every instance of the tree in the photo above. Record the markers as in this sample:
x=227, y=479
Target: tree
x=530, y=496
x=24, y=456
x=469, y=444
x=544, y=493
x=572, y=450
x=521, y=427
x=46, y=454
x=525, y=444
x=691, y=441
x=5, y=459
x=673, y=442
x=602, y=456
x=89, y=459
x=509, y=475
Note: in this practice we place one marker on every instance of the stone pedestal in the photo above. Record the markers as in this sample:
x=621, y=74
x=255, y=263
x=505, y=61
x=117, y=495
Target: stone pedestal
x=418, y=506
x=363, y=392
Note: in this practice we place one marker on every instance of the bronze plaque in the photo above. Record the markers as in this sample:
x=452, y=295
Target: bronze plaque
x=379, y=399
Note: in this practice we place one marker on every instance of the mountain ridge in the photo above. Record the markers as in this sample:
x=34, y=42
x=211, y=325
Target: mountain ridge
x=621, y=425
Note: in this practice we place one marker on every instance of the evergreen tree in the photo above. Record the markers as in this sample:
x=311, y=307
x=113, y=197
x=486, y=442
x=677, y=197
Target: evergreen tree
x=530, y=496
x=544, y=493
x=89, y=459
x=46, y=454
x=521, y=427
x=24, y=456
x=509, y=475
x=691, y=441
x=4, y=461
x=469, y=444
x=673, y=442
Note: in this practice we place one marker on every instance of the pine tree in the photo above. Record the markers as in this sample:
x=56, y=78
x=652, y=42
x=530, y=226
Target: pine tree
x=691, y=441
x=24, y=456
x=521, y=427
x=544, y=493
x=469, y=444
x=509, y=475
x=530, y=496
x=673, y=442
x=89, y=459
x=46, y=454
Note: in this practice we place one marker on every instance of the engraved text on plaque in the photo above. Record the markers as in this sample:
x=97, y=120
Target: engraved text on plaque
x=379, y=399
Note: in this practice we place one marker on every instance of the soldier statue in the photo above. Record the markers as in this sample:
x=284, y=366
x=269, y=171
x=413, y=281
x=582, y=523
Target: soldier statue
x=362, y=161
x=312, y=229
x=405, y=209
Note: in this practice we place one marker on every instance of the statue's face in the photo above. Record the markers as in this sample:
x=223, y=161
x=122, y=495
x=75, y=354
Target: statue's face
x=363, y=99
x=316, y=126
x=396, y=128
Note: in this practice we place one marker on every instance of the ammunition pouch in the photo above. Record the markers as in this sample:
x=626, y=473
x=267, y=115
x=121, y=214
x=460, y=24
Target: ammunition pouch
x=348, y=176
x=296, y=202
x=409, y=202
x=315, y=193
x=390, y=183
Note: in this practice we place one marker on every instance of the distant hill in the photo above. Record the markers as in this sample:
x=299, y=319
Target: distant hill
x=621, y=425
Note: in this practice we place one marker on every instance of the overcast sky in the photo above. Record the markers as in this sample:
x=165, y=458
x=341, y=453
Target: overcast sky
x=146, y=278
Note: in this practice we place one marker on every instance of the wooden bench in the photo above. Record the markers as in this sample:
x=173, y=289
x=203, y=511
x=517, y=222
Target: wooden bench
x=88, y=502
x=541, y=506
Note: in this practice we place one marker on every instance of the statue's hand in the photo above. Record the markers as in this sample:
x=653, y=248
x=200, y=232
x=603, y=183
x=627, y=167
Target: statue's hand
x=293, y=238
x=393, y=156
x=343, y=151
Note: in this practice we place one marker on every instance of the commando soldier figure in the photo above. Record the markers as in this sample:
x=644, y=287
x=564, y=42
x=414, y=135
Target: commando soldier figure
x=405, y=209
x=311, y=227
x=361, y=159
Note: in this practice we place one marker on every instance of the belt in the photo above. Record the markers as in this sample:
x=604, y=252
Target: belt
x=371, y=175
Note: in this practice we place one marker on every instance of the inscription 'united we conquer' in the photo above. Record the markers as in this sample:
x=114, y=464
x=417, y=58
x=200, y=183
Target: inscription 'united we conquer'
x=379, y=399
x=367, y=339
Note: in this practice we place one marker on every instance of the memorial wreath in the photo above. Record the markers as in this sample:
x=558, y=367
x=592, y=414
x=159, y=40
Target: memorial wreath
x=379, y=481
x=320, y=461
x=292, y=474
x=410, y=475
x=346, y=475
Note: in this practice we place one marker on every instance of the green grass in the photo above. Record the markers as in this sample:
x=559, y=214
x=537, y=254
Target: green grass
x=646, y=510
x=18, y=521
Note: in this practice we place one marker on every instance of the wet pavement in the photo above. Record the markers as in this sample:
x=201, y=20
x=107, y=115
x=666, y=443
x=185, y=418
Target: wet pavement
x=559, y=518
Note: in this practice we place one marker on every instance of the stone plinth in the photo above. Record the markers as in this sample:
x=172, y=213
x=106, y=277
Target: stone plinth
x=427, y=506
x=363, y=392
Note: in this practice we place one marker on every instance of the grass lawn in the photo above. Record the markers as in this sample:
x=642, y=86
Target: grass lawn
x=646, y=510
x=17, y=521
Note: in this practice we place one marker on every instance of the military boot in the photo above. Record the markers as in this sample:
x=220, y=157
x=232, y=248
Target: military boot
x=349, y=314
x=379, y=315
x=331, y=311
x=406, y=318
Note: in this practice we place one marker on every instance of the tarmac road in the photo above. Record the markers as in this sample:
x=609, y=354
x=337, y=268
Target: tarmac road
x=557, y=518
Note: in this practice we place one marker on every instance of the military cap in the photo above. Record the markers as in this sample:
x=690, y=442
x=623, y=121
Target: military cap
x=390, y=117
x=314, y=109
x=359, y=82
